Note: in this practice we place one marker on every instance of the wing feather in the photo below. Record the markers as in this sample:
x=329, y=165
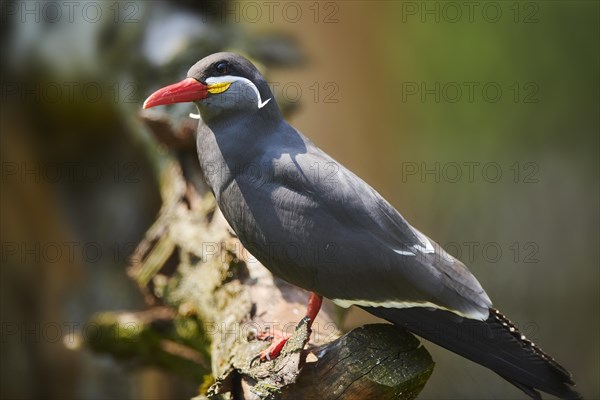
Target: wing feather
x=414, y=257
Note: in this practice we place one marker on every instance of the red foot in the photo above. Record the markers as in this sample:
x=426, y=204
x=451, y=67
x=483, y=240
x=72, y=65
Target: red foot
x=279, y=338
x=273, y=350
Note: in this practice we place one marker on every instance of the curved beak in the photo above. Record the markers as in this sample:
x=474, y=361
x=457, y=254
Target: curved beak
x=187, y=90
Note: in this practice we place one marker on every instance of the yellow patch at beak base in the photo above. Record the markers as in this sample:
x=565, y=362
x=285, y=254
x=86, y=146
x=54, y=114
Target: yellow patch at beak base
x=217, y=88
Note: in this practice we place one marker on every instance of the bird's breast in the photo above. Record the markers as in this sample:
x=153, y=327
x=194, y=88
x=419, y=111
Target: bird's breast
x=279, y=227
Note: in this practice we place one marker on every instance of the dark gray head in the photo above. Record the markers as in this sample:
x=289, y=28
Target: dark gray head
x=222, y=85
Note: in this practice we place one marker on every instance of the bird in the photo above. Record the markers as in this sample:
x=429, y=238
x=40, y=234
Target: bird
x=317, y=225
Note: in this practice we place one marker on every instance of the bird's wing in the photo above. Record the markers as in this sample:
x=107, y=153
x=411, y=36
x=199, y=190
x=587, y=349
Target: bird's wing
x=438, y=279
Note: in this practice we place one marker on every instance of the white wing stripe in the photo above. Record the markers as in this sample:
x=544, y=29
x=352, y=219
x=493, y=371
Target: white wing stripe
x=474, y=314
x=404, y=253
x=425, y=246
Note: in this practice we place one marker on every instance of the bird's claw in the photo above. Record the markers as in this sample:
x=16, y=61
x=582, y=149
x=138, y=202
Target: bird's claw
x=271, y=352
x=278, y=340
x=254, y=359
x=265, y=336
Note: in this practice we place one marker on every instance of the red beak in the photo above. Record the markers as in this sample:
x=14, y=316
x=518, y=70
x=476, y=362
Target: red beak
x=187, y=90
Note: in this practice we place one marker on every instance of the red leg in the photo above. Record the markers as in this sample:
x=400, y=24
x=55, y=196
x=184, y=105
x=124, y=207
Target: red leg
x=312, y=309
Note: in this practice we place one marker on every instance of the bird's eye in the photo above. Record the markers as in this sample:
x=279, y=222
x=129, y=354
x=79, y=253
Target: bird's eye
x=222, y=68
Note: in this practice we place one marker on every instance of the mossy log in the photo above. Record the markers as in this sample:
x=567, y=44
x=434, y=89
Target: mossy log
x=208, y=298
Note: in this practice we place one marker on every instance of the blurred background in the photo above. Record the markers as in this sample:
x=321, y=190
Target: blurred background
x=479, y=121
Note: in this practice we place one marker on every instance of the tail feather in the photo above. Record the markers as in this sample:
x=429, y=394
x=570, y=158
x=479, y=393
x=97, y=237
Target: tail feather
x=494, y=343
x=528, y=390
